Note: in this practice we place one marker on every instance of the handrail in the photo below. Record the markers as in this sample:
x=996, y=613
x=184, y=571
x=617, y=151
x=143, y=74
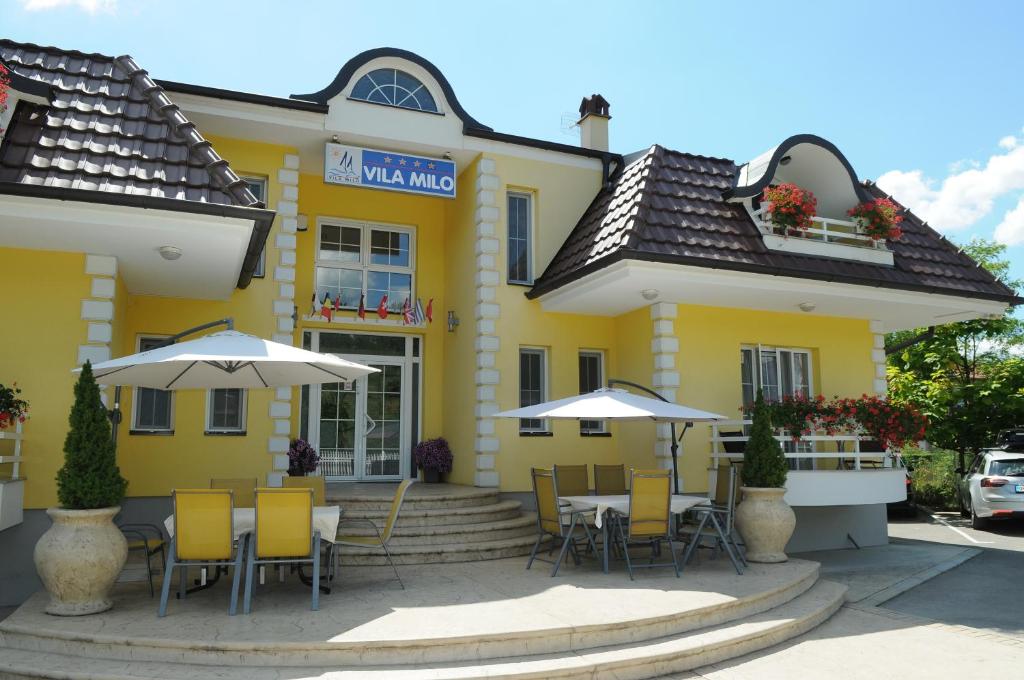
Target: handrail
x=826, y=235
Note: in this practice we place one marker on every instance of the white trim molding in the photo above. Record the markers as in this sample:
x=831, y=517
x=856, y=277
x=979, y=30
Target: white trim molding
x=98, y=312
x=665, y=375
x=486, y=313
x=283, y=306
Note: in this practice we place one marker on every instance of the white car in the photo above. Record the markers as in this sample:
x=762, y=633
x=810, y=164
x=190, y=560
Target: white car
x=993, y=487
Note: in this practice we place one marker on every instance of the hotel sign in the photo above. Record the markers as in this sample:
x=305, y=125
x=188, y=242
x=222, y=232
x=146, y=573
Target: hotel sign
x=355, y=166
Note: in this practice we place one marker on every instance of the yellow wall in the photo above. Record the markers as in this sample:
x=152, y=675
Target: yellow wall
x=39, y=341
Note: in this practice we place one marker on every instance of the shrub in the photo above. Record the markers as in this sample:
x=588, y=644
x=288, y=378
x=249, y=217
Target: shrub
x=90, y=477
x=764, y=463
x=302, y=458
x=934, y=478
x=433, y=454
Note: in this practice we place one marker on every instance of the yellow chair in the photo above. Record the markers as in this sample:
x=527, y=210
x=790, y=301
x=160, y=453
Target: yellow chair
x=572, y=480
x=243, y=488
x=550, y=520
x=310, y=482
x=284, y=535
x=648, y=519
x=203, y=536
x=382, y=538
x=610, y=480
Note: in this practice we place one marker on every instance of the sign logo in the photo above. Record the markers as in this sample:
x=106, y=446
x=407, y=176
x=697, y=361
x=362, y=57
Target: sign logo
x=387, y=170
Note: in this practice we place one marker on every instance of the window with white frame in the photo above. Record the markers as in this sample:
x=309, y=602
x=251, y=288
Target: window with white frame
x=532, y=385
x=779, y=372
x=225, y=411
x=152, y=410
x=258, y=187
x=355, y=258
x=520, y=236
x=591, y=378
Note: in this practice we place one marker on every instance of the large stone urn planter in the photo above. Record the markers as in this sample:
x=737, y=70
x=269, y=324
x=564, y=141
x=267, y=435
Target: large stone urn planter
x=79, y=558
x=766, y=522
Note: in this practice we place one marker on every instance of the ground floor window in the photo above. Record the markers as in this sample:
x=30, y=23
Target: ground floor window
x=591, y=378
x=778, y=372
x=152, y=410
x=225, y=411
x=532, y=385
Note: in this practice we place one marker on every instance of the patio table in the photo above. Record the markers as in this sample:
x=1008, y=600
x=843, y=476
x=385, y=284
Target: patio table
x=325, y=520
x=604, y=505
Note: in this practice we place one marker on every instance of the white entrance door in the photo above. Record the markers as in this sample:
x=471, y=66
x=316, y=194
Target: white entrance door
x=361, y=428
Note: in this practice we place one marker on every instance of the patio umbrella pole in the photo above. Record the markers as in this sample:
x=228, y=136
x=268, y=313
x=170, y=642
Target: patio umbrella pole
x=115, y=413
x=675, y=442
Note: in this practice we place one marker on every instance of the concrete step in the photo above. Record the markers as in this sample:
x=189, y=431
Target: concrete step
x=639, y=658
x=419, y=496
x=436, y=553
x=448, y=534
x=414, y=516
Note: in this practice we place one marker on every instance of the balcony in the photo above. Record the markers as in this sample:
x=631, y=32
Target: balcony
x=840, y=239
x=844, y=469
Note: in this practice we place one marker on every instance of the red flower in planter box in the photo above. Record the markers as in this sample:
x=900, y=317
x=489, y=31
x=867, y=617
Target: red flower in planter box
x=5, y=83
x=789, y=208
x=879, y=219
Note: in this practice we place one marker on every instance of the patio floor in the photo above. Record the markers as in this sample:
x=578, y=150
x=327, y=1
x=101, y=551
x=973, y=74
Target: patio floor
x=470, y=613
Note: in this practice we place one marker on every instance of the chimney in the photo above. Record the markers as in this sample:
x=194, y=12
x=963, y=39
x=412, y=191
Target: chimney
x=593, y=122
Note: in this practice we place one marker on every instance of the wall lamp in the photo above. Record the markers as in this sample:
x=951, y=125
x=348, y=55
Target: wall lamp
x=453, y=321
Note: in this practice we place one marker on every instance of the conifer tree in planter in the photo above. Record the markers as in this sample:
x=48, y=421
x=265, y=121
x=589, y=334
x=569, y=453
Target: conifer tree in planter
x=80, y=556
x=764, y=519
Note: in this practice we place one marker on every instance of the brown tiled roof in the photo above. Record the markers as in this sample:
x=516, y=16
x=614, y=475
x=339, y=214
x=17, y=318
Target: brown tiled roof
x=108, y=127
x=667, y=206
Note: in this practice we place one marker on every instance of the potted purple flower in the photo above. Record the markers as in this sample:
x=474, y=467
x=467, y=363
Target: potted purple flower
x=434, y=457
x=302, y=458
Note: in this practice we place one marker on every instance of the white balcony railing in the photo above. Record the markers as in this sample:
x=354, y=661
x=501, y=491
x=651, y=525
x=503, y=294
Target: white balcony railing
x=827, y=237
x=842, y=471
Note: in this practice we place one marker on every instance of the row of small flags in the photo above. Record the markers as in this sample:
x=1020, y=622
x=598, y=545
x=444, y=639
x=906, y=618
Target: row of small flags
x=412, y=315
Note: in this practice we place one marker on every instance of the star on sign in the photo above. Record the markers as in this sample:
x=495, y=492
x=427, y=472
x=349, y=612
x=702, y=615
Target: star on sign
x=401, y=161
x=430, y=166
x=387, y=159
x=417, y=164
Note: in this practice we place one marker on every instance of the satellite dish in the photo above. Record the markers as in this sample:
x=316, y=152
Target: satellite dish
x=570, y=121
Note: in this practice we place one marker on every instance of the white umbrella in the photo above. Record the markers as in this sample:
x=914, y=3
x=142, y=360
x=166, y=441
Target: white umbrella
x=609, y=403
x=227, y=359
x=612, y=404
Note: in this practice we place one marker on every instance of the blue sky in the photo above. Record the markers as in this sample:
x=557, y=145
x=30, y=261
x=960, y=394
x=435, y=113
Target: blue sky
x=926, y=96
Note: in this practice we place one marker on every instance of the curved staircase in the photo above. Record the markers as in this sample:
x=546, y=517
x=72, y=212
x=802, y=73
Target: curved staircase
x=438, y=523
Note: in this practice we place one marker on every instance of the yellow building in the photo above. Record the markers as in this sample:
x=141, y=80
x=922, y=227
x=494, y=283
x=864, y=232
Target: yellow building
x=133, y=208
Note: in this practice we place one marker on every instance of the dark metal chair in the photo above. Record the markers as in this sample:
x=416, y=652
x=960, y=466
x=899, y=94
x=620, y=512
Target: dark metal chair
x=550, y=520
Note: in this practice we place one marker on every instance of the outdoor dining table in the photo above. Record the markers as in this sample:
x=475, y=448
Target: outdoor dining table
x=243, y=520
x=605, y=505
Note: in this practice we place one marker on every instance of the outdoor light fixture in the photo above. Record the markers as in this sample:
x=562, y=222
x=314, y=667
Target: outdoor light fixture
x=650, y=294
x=807, y=306
x=785, y=160
x=169, y=253
x=453, y=321
x=447, y=155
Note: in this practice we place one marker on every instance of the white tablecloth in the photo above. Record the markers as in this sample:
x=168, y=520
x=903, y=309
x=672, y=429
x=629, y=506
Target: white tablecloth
x=680, y=503
x=325, y=520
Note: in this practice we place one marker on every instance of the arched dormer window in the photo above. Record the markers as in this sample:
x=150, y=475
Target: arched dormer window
x=394, y=88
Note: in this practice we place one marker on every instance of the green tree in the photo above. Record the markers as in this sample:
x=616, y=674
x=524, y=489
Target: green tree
x=968, y=377
x=764, y=463
x=90, y=477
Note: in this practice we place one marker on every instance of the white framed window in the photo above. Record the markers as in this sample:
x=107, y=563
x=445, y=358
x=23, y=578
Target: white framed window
x=357, y=258
x=152, y=410
x=591, y=378
x=392, y=87
x=533, y=385
x=778, y=371
x=520, y=237
x=226, y=411
x=258, y=187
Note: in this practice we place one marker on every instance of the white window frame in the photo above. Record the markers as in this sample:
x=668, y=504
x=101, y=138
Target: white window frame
x=545, y=382
x=261, y=264
x=135, y=429
x=243, y=416
x=529, y=237
x=756, y=351
x=586, y=426
x=365, y=234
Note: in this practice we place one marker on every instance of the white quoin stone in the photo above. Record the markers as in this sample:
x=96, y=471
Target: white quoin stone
x=486, y=409
x=100, y=332
x=287, y=257
x=286, y=290
x=280, y=409
x=485, y=261
x=285, y=241
x=290, y=193
x=880, y=371
x=284, y=274
x=287, y=176
x=283, y=307
x=283, y=393
x=663, y=430
x=878, y=341
x=486, y=166
x=291, y=161
x=282, y=427
x=485, y=326
x=668, y=393
x=485, y=360
x=288, y=208
x=285, y=324
x=881, y=386
x=101, y=265
x=486, y=197
x=664, y=310
x=289, y=225
x=97, y=310
x=487, y=343
x=487, y=377
x=485, y=461
x=485, y=393
x=486, y=479
x=486, y=310
x=486, y=278
x=103, y=288
x=875, y=326
x=878, y=356
x=487, y=245
x=93, y=354
x=486, y=213
x=276, y=479
x=283, y=338
x=664, y=327
x=280, y=461
x=664, y=346
x=666, y=379
x=485, y=426
x=486, y=294
x=277, y=444
x=487, y=183
x=664, y=361
x=485, y=229
x=487, y=444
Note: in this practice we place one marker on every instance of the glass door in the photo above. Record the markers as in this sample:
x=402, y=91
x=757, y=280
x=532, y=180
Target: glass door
x=379, y=454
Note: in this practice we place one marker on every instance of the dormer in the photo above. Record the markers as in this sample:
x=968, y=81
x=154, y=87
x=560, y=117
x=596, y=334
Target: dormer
x=816, y=165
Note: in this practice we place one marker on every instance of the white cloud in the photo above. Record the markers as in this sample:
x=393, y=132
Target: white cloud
x=1011, y=230
x=1008, y=142
x=88, y=6
x=965, y=195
